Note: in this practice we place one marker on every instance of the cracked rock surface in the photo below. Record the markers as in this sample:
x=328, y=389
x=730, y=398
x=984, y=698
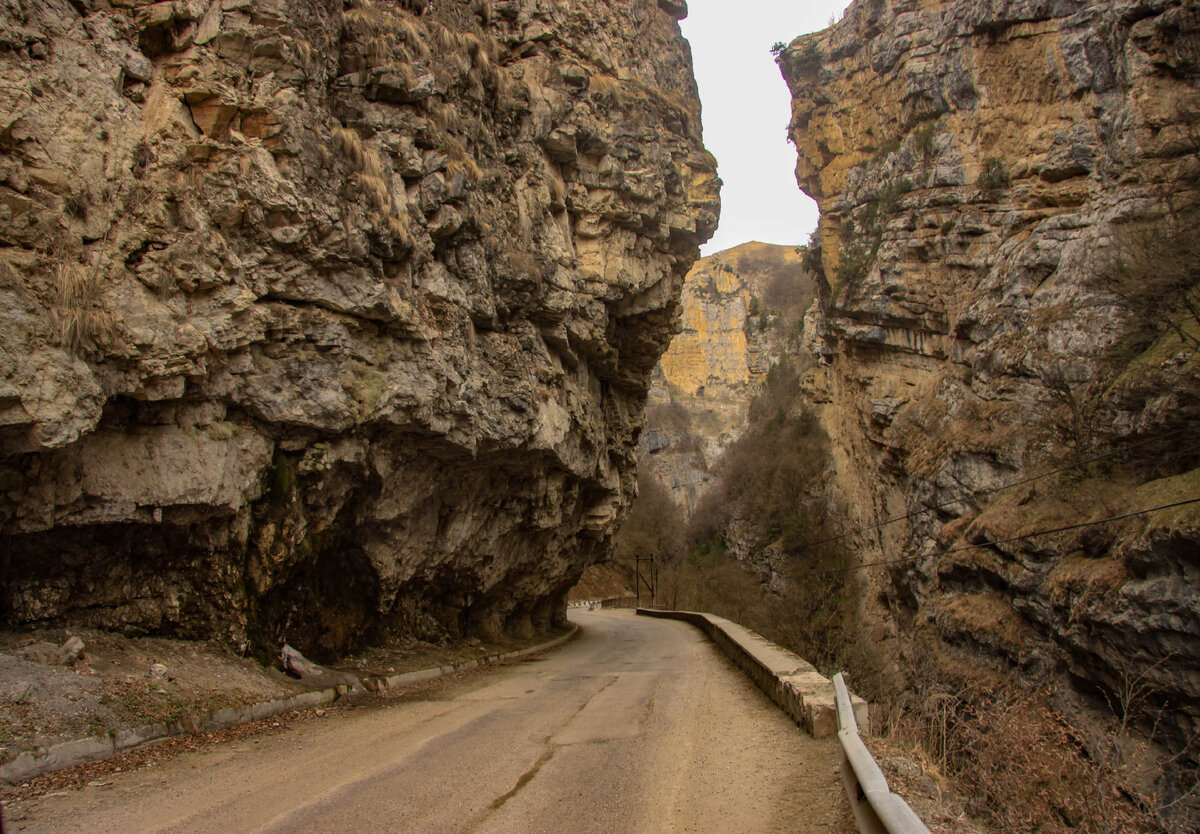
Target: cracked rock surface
x=319, y=320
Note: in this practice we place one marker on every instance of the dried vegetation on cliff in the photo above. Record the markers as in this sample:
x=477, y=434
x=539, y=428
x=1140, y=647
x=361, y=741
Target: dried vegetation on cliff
x=758, y=547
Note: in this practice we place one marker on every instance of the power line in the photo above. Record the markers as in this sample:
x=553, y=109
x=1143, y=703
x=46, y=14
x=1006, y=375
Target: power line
x=994, y=542
x=993, y=490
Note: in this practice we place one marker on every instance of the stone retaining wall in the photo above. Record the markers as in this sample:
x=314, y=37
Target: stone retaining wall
x=790, y=681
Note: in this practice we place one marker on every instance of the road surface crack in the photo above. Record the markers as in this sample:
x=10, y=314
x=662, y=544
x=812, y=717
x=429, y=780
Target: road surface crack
x=525, y=779
x=529, y=775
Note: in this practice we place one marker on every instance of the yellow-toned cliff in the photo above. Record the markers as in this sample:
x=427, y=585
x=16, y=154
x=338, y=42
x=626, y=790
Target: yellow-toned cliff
x=740, y=310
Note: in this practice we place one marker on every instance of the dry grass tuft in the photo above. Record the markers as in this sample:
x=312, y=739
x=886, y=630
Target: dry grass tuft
x=451, y=41
x=460, y=160
x=378, y=190
x=75, y=312
x=511, y=93
x=558, y=191
x=375, y=180
x=604, y=85
x=408, y=76
x=484, y=69
x=365, y=159
x=398, y=225
x=526, y=267
x=483, y=52
x=466, y=164
x=384, y=49
x=447, y=118
x=349, y=143
x=381, y=21
x=369, y=16
x=413, y=37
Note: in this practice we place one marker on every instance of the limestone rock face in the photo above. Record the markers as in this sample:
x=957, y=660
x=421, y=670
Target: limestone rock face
x=981, y=168
x=741, y=311
x=318, y=321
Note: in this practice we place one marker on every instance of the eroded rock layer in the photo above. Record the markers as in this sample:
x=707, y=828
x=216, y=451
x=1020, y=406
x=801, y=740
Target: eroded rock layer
x=989, y=175
x=319, y=320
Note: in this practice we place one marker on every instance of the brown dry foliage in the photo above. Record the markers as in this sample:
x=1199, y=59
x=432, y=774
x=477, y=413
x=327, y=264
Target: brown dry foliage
x=604, y=85
x=76, y=314
x=653, y=527
x=526, y=267
x=770, y=477
x=1155, y=272
x=1023, y=765
x=373, y=176
x=468, y=166
x=380, y=19
x=672, y=415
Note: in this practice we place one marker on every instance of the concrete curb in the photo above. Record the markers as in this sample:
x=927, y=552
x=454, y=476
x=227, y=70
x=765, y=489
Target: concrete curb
x=409, y=678
x=94, y=748
x=791, y=682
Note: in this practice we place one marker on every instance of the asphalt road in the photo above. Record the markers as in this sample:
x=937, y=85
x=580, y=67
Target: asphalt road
x=640, y=725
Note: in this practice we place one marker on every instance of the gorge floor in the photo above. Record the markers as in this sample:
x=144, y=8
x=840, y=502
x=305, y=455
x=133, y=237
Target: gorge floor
x=636, y=726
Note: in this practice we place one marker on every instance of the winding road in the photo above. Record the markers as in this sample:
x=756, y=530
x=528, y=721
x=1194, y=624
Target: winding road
x=639, y=725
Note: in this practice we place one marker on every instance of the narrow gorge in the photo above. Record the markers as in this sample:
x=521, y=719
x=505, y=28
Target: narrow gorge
x=1001, y=363
x=334, y=323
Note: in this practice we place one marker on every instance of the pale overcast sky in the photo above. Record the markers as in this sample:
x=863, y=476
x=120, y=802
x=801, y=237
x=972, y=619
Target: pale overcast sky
x=746, y=111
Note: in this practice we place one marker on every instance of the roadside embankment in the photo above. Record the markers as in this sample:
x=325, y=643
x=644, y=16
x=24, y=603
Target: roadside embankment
x=40, y=759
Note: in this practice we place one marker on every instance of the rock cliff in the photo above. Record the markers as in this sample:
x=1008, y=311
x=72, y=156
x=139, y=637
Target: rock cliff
x=741, y=312
x=322, y=320
x=1007, y=190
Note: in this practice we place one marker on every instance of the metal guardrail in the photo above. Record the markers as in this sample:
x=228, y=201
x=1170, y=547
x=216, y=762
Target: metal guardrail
x=876, y=809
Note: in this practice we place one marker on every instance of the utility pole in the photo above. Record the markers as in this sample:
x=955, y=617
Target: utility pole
x=651, y=583
x=654, y=576
x=637, y=581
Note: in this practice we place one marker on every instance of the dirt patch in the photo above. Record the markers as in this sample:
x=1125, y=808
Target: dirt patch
x=115, y=683
x=17, y=798
x=603, y=581
x=94, y=774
